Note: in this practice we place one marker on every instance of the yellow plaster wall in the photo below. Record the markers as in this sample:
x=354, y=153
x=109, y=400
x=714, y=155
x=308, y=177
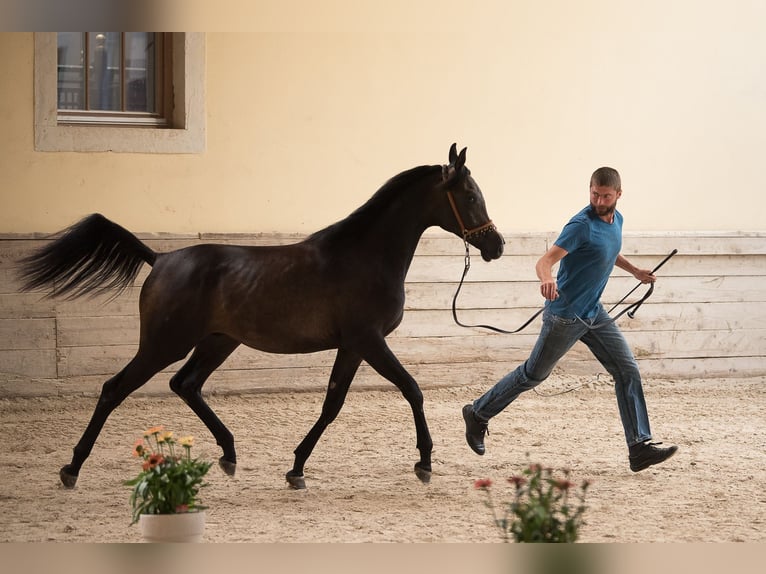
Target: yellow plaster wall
x=304, y=125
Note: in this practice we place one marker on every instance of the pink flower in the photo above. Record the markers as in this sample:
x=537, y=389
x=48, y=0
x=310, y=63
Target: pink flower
x=517, y=481
x=153, y=461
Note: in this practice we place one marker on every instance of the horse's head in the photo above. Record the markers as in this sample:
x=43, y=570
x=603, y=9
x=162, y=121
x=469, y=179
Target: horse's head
x=468, y=213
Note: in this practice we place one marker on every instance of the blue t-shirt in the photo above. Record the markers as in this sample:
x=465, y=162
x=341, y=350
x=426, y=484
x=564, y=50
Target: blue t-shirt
x=592, y=247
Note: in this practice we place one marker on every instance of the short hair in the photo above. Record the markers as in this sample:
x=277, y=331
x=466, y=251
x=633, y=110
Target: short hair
x=606, y=177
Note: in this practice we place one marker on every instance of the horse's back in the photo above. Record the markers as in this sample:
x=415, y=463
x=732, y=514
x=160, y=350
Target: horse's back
x=272, y=298
x=295, y=298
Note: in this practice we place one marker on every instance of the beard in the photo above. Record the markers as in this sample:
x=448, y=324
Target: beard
x=603, y=211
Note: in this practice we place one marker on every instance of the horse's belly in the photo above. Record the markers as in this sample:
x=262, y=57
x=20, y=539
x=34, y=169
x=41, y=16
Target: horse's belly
x=278, y=339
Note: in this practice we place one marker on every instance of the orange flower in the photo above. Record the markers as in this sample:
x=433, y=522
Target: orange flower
x=154, y=431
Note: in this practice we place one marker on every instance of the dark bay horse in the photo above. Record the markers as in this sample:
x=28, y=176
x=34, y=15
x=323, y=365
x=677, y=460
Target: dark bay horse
x=341, y=288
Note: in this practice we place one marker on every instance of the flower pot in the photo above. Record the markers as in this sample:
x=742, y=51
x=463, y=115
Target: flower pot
x=183, y=527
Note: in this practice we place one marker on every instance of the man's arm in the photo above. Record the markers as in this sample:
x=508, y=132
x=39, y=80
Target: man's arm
x=643, y=275
x=544, y=270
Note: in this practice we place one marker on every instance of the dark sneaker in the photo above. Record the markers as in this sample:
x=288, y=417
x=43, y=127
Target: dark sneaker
x=646, y=454
x=475, y=429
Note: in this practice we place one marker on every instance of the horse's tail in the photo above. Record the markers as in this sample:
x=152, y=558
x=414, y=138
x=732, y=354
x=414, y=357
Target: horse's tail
x=92, y=256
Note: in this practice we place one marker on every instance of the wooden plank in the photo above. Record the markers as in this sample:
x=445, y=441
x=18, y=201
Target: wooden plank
x=25, y=306
x=438, y=242
x=676, y=368
x=427, y=376
x=691, y=368
x=699, y=243
x=503, y=295
x=528, y=247
x=97, y=331
x=443, y=243
x=701, y=289
x=721, y=316
x=651, y=316
x=28, y=362
x=107, y=360
x=436, y=269
x=698, y=344
x=18, y=334
x=125, y=304
x=634, y=243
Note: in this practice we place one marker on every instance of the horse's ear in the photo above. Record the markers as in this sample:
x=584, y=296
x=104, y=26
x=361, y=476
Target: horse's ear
x=460, y=161
x=453, y=154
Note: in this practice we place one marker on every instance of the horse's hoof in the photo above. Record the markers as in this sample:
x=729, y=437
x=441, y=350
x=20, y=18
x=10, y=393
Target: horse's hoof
x=423, y=474
x=296, y=481
x=228, y=467
x=67, y=478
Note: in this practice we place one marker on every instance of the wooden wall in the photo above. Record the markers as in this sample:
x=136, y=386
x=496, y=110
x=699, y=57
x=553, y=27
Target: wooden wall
x=705, y=318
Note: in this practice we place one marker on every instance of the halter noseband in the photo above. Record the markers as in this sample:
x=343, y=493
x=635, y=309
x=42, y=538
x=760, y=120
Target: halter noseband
x=467, y=233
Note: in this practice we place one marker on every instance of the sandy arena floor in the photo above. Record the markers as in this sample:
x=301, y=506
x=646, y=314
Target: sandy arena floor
x=361, y=487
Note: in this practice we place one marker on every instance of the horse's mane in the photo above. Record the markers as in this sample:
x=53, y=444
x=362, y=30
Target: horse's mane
x=359, y=219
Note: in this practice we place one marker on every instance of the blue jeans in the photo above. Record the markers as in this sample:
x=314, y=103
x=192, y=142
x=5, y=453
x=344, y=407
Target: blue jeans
x=557, y=336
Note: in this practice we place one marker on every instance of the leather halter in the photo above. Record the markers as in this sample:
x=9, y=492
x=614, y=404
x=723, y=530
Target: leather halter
x=480, y=230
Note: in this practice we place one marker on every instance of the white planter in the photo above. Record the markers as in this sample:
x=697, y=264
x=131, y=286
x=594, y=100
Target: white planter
x=184, y=527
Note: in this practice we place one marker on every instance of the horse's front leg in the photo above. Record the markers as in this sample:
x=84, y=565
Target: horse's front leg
x=343, y=371
x=380, y=357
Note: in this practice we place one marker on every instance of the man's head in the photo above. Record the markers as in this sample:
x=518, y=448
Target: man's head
x=605, y=190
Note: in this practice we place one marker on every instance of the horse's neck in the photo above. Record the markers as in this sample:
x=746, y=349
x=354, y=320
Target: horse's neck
x=390, y=238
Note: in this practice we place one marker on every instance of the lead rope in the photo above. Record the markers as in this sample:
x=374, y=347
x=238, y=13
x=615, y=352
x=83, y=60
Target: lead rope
x=630, y=309
x=490, y=327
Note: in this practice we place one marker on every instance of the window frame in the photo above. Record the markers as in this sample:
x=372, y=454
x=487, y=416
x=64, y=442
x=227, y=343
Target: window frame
x=163, y=82
x=185, y=134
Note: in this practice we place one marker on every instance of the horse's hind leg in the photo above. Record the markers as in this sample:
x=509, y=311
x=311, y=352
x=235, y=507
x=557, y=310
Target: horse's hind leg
x=208, y=355
x=114, y=391
x=343, y=371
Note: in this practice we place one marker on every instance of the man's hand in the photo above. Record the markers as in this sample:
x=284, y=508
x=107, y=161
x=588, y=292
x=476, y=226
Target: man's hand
x=544, y=268
x=645, y=276
x=549, y=290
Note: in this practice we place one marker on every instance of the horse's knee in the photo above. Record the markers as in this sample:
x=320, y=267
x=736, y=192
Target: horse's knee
x=414, y=396
x=112, y=395
x=177, y=385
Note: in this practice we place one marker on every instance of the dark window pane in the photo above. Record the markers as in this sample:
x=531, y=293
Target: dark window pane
x=140, y=50
x=104, y=71
x=71, y=71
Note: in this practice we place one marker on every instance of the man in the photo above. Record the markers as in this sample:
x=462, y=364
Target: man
x=588, y=249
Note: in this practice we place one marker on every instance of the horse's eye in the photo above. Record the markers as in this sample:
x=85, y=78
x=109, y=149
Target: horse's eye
x=471, y=198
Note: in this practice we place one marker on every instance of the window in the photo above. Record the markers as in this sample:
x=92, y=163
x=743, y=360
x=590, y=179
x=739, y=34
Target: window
x=139, y=92
x=114, y=78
